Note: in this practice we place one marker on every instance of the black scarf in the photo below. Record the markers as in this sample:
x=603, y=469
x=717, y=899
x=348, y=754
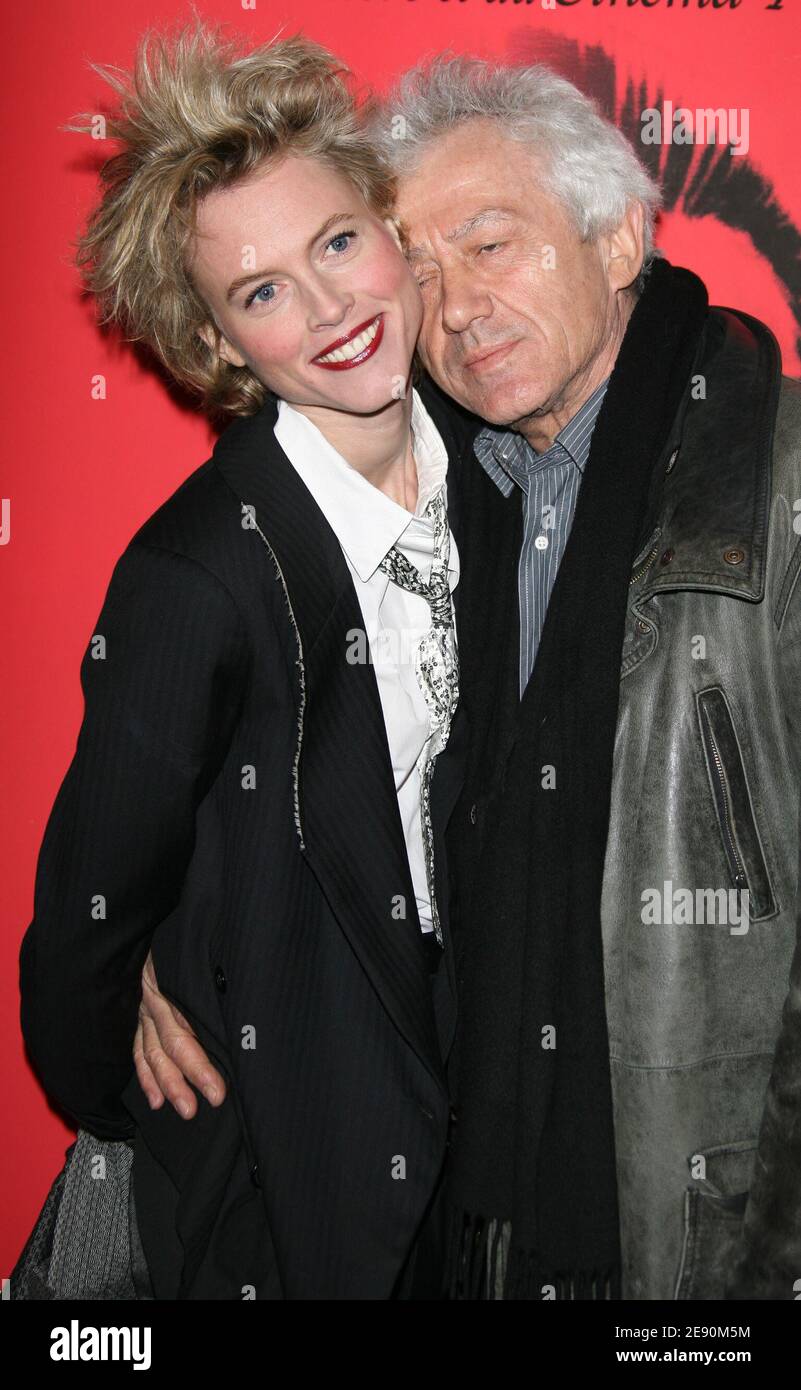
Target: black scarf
x=534, y=1141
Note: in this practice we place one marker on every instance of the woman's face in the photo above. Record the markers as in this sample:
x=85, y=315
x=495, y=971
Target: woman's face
x=292, y=261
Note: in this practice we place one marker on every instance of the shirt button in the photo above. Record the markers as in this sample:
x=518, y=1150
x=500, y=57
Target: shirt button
x=220, y=980
x=541, y=542
x=473, y=813
x=254, y=1175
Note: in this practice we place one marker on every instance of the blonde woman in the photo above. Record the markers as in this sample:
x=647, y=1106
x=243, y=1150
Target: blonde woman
x=268, y=684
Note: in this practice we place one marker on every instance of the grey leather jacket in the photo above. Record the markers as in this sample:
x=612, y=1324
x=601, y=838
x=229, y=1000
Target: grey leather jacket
x=704, y=997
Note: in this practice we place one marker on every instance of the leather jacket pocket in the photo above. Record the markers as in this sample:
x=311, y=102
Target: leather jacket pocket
x=714, y=1207
x=733, y=804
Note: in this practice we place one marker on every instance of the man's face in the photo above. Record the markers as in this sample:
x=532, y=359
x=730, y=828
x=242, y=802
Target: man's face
x=520, y=317
x=291, y=260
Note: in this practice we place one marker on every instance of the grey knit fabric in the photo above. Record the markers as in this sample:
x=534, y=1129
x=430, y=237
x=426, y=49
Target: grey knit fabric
x=85, y=1243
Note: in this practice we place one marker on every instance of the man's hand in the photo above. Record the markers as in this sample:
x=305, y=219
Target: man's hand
x=167, y=1054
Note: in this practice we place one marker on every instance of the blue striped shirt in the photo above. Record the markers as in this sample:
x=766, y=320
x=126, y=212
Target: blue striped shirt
x=549, y=483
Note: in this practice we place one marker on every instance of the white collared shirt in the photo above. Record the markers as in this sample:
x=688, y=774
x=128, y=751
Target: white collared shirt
x=367, y=524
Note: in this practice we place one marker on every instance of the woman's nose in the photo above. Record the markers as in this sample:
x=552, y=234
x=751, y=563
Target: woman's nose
x=329, y=309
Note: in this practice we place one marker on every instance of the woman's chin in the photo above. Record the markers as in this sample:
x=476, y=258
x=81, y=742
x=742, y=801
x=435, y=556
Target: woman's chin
x=364, y=395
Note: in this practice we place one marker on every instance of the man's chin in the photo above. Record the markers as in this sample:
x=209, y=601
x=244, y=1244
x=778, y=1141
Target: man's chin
x=503, y=407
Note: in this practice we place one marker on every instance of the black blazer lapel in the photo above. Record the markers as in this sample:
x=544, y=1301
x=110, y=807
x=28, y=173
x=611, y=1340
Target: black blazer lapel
x=488, y=528
x=489, y=533
x=347, y=810
x=458, y=429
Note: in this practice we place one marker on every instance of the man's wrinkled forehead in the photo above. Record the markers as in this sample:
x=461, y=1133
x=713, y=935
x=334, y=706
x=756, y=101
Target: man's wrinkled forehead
x=467, y=179
x=417, y=250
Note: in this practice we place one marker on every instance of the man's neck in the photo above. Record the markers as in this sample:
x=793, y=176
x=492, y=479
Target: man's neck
x=379, y=445
x=540, y=430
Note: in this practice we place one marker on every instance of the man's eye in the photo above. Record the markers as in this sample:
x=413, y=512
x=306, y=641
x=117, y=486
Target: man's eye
x=490, y=245
x=425, y=276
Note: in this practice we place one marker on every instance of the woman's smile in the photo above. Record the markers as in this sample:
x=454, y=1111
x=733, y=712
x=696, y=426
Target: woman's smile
x=362, y=342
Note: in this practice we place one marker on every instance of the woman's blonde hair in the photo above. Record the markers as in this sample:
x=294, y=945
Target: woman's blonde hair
x=195, y=114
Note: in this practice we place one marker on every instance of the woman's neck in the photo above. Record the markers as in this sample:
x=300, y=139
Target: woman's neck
x=379, y=446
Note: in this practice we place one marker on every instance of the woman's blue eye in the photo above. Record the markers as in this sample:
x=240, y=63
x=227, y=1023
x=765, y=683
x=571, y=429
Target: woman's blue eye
x=340, y=236
x=254, y=294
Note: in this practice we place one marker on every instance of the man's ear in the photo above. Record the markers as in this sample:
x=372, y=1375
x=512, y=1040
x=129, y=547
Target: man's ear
x=218, y=343
x=626, y=248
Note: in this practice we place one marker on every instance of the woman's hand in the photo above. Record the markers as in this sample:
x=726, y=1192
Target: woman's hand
x=167, y=1054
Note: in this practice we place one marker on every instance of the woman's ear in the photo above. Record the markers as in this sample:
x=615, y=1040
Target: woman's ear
x=217, y=342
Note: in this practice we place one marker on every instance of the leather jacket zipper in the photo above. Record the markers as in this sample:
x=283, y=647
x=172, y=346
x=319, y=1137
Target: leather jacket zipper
x=724, y=804
x=646, y=564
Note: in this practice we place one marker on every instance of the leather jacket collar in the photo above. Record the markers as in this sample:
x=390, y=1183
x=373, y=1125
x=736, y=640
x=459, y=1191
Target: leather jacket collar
x=707, y=526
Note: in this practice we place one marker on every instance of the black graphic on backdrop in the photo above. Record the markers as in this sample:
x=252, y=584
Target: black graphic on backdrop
x=699, y=181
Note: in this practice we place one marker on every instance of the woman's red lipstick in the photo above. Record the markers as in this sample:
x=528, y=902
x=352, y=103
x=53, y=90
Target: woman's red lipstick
x=360, y=356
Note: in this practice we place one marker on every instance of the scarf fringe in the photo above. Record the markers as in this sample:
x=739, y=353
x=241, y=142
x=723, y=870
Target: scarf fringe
x=473, y=1266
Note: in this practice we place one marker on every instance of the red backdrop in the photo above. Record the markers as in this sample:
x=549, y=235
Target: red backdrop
x=80, y=475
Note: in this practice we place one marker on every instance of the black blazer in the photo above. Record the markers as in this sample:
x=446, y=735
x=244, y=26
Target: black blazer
x=231, y=804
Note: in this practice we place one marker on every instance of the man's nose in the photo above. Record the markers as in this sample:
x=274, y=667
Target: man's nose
x=462, y=300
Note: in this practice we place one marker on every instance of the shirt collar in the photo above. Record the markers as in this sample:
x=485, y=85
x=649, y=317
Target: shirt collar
x=364, y=520
x=502, y=453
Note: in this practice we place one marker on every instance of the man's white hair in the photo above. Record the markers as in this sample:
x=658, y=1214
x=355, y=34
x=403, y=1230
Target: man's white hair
x=585, y=161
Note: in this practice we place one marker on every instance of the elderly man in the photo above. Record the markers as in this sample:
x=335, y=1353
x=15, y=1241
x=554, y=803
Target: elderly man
x=624, y=858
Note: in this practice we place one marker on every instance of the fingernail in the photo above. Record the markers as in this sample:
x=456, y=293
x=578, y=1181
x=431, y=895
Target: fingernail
x=211, y=1093
x=185, y=1108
